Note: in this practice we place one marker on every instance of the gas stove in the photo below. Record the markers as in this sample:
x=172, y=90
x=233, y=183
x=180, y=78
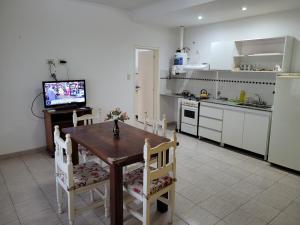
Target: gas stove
x=189, y=113
x=190, y=102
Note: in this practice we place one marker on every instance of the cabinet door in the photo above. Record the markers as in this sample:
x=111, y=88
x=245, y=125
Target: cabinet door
x=233, y=123
x=256, y=133
x=221, y=55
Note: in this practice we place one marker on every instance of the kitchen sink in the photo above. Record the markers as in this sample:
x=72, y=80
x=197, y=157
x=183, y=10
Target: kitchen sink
x=261, y=106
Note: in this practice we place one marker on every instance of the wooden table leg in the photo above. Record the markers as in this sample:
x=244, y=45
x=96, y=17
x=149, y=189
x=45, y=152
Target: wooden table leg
x=75, y=157
x=116, y=195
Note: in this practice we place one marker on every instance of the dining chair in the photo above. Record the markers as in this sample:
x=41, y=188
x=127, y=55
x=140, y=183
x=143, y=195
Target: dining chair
x=74, y=179
x=157, y=125
x=148, y=184
x=87, y=119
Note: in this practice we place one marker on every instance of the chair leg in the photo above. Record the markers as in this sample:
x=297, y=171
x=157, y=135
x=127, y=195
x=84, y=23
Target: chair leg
x=92, y=195
x=107, y=200
x=71, y=208
x=172, y=204
x=84, y=158
x=59, y=197
x=146, y=212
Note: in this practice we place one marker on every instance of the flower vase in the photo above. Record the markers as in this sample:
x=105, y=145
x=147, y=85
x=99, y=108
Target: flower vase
x=116, y=130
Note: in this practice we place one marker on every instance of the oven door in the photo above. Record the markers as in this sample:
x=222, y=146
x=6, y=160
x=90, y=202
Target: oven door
x=189, y=115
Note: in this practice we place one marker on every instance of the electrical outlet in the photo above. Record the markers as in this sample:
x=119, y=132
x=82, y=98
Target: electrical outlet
x=62, y=61
x=128, y=76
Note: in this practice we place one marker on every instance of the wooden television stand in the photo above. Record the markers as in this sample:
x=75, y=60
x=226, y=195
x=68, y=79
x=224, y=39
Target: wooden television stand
x=63, y=118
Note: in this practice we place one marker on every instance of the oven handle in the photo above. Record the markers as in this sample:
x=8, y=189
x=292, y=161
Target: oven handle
x=189, y=108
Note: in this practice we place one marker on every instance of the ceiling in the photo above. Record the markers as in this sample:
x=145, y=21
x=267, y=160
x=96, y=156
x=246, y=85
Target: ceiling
x=126, y=4
x=173, y=13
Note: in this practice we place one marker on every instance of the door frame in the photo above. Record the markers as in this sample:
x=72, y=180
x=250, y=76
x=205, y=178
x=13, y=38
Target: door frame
x=156, y=85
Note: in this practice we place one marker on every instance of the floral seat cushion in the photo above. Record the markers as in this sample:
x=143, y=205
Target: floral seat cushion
x=86, y=174
x=133, y=181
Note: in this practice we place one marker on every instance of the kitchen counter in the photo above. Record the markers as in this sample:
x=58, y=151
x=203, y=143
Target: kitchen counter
x=234, y=104
x=171, y=95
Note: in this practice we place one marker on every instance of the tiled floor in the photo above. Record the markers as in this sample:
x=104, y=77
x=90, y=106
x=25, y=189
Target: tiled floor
x=215, y=186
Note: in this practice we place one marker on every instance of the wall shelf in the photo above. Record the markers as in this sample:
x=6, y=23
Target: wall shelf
x=261, y=55
x=267, y=53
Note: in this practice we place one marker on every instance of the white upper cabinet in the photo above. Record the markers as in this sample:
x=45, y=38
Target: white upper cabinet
x=263, y=55
x=221, y=55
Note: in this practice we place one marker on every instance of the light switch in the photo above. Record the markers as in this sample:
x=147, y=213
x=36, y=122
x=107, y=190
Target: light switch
x=128, y=76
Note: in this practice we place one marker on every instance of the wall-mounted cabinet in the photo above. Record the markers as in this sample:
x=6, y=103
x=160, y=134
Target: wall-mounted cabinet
x=263, y=55
x=221, y=55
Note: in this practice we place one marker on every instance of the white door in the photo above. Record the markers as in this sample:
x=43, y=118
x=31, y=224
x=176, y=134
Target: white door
x=256, y=133
x=233, y=125
x=144, y=84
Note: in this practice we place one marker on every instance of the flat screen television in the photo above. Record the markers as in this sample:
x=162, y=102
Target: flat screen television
x=64, y=94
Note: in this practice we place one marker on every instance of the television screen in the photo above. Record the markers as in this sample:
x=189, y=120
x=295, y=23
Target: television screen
x=59, y=93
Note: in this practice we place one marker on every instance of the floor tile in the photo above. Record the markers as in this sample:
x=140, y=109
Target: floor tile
x=199, y=216
x=284, y=219
x=36, y=206
x=181, y=183
x=260, y=210
x=237, y=172
x=259, y=181
x=210, y=185
x=182, y=205
x=195, y=194
x=16, y=222
x=7, y=215
x=273, y=199
x=241, y=217
x=293, y=211
x=219, y=207
x=221, y=222
x=291, y=180
x=225, y=179
x=285, y=190
x=270, y=173
x=46, y=217
x=247, y=188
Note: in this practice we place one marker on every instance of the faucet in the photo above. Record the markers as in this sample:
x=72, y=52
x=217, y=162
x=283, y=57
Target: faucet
x=260, y=101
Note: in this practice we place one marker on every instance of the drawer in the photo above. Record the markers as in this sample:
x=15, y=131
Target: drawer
x=190, y=129
x=211, y=112
x=210, y=123
x=210, y=134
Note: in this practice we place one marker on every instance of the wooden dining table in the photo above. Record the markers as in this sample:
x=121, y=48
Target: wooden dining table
x=117, y=152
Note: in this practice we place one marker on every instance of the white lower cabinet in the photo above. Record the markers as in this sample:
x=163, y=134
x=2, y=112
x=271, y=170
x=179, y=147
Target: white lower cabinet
x=247, y=130
x=244, y=128
x=233, y=126
x=210, y=134
x=256, y=133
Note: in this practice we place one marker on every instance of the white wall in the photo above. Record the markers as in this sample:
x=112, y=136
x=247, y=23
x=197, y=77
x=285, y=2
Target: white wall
x=98, y=43
x=271, y=25
x=199, y=39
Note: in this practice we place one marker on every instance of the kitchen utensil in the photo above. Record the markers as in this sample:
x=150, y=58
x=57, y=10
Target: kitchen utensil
x=203, y=94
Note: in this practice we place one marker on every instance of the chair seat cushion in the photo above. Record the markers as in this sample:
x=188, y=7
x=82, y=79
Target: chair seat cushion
x=86, y=174
x=86, y=152
x=133, y=181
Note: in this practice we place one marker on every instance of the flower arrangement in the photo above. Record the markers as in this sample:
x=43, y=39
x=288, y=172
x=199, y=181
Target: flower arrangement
x=117, y=114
